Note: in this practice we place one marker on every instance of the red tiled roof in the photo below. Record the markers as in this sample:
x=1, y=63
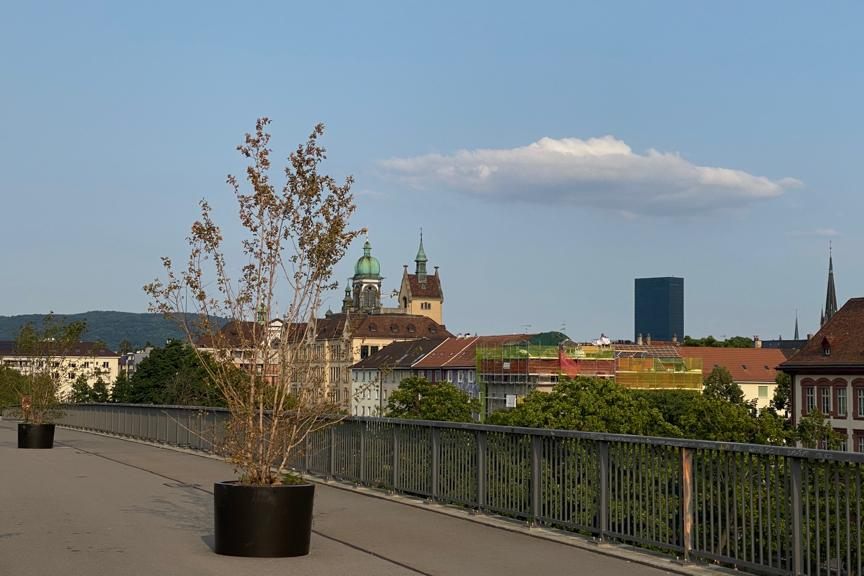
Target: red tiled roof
x=844, y=335
x=431, y=288
x=398, y=326
x=744, y=364
x=461, y=352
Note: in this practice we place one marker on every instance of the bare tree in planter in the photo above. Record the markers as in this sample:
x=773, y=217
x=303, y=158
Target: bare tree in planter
x=293, y=235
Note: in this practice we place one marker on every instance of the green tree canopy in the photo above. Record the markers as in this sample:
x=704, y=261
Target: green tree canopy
x=80, y=393
x=122, y=389
x=418, y=399
x=172, y=375
x=815, y=431
x=590, y=405
x=11, y=383
x=719, y=385
x=711, y=342
x=783, y=393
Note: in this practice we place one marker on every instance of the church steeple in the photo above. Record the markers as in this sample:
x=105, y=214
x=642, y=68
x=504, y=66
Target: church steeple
x=420, y=260
x=796, y=325
x=831, y=294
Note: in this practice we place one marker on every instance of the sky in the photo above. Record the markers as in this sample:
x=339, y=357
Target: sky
x=551, y=152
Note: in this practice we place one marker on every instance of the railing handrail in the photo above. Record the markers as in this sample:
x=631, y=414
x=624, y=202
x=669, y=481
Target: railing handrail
x=762, y=449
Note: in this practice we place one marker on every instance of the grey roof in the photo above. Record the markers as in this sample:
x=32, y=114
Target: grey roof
x=399, y=354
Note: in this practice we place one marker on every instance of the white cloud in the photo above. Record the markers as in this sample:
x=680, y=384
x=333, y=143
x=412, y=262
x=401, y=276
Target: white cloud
x=599, y=172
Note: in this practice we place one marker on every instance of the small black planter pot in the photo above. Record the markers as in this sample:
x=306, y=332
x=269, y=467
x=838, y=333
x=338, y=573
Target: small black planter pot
x=35, y=435
x=263, y=521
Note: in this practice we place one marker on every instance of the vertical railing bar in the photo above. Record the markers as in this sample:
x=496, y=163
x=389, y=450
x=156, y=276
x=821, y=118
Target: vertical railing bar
x=481, y=469
x=796, y=489
x=603, y=503
x=362, y=473
x=536, y=458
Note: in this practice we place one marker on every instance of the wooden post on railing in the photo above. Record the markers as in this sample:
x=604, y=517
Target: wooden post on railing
x=686, y=504
x=603, y=495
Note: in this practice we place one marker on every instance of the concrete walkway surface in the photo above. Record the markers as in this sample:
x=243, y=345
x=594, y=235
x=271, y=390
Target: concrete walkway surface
x=96, y=505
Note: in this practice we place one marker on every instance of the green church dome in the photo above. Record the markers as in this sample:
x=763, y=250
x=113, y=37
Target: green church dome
x=367, y=266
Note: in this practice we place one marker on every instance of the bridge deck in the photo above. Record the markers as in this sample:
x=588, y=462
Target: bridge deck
x=97, y=505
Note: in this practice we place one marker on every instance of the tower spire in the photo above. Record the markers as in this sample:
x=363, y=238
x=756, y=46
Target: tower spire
x=831, y=293
x=420, y=261
x=796, y=325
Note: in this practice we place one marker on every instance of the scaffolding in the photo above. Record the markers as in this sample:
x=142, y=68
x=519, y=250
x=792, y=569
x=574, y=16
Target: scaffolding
x=510, y=371
x=659, y=373
x=507, y=373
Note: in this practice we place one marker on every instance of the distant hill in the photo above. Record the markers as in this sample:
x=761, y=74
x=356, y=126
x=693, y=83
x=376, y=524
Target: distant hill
x=109, y=327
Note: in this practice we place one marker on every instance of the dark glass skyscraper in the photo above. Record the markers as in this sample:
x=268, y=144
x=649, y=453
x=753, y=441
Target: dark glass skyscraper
x=660, y=308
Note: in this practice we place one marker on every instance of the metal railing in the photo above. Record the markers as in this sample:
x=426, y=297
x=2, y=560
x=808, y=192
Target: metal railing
x=763, y=509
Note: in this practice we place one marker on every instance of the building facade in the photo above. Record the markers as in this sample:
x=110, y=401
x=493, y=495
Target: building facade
x=90, y=360
x=659, y=308
x=421, y=293
x=828, y=375
x=375, y=378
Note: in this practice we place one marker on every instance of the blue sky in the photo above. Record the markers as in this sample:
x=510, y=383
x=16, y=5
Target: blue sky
x=718, y=141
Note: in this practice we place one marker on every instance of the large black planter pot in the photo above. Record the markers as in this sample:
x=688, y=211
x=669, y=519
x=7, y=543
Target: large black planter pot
x=263, y=521
x=35, y=435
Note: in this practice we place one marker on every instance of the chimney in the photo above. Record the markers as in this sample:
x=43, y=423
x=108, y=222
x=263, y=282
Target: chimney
x=674, y=338
x=757, y=343
x=639, y=339
x=649, y=340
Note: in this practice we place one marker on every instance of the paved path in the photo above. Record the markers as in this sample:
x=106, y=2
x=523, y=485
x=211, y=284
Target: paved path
x=96, y=505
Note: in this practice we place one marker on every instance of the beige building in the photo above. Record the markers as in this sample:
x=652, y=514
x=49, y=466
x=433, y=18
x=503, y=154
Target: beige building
x=89, y=359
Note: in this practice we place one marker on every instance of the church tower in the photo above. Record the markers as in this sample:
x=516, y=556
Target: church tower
x=366, y=283
x=831, y=294
x=420, y=293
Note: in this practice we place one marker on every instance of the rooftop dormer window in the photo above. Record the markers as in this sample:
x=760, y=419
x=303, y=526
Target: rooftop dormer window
x=826, y=347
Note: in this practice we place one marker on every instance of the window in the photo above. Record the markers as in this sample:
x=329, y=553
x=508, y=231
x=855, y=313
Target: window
x=763, y=391
x=859, y=392
x=810, y=404
x=364, y=352
x=859, y=442
x=373, y=349
x=471, y=376
x=841, y=402
x=460, y=376
x=449, y=376
x=844, y=442
x=411, y=328
x=373, y=327
x=825, y=405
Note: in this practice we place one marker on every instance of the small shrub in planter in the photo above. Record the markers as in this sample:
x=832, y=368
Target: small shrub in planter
x=49, y=356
